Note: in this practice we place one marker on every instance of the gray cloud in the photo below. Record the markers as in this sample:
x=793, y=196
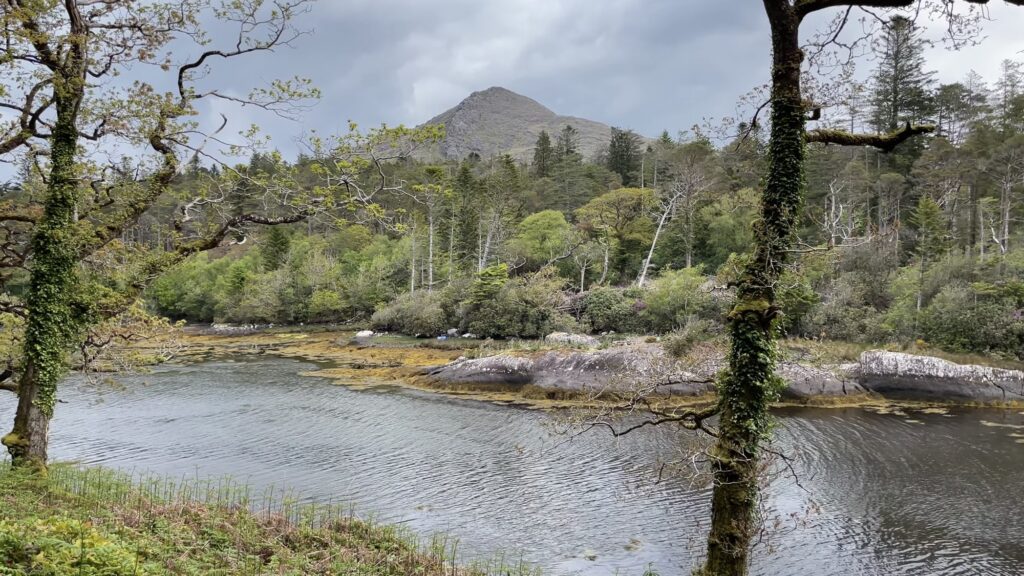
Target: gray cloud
x=644, y=64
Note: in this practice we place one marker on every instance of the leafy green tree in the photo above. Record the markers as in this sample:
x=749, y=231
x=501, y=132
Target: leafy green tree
x=541, y=238
x=50, y=49
x=620, y=219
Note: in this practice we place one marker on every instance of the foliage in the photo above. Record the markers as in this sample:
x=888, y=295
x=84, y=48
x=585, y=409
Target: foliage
x=274, y=250
x=611, y=309
x=674, y=297
x=524, y=307
x=414, y=313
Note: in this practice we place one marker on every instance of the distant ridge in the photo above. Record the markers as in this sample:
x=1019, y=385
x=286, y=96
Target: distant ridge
x=499, y=121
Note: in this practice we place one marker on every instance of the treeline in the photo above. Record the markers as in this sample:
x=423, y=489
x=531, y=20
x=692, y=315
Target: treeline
x=918, y=245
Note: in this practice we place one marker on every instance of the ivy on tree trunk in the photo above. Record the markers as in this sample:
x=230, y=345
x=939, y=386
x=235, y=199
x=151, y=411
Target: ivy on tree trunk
x=749, y=384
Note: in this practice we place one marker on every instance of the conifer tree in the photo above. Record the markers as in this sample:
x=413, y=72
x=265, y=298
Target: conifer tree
x=901, y=83
x=543, y=155
x=624, y=155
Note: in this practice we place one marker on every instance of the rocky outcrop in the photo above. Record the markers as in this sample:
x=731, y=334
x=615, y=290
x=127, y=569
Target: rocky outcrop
x=804, y=381
x=622, y=369
x=572, y=339
x=898, y=375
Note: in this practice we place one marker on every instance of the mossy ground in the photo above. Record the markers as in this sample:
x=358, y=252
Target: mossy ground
x=94, y=522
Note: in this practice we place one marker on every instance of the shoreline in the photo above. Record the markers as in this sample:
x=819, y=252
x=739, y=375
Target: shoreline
x=405, y=362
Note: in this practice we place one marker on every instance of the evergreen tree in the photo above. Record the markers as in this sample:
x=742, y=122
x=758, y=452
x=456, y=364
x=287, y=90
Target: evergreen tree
x=275, y=248
x=901, y=83
x=624, y=155
x=568, y=144
x=465, y=197
x=1010, y=95
x=543, y=155
x=928, y=220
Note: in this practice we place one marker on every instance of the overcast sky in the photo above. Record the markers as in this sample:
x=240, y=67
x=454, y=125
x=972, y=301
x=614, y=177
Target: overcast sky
x=643, y=64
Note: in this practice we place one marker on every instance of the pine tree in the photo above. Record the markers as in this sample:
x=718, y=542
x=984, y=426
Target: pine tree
x=624, y=155
x=567, y=146
x=543, y=155
x=275, y=248
x=928, y=220
x=1010, y=95
x=901, y=83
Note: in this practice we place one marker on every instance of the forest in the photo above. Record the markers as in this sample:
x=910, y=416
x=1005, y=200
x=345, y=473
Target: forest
x=919, y=246
x=869, y=208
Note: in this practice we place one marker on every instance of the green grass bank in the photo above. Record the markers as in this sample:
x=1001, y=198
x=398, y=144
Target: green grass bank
x=97, y=522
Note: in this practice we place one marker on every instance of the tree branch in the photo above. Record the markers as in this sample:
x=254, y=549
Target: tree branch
x=884, y=142
x=805, y=7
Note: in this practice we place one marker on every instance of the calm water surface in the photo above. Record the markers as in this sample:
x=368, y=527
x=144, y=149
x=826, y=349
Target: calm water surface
x=876, y=494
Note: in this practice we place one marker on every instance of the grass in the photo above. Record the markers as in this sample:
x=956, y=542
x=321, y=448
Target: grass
x=823, y=352
x=94, y=521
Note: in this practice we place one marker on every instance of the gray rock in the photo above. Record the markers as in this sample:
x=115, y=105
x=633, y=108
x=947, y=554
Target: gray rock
x=452, y=332
x=364, y=334
x=619, y=369
x=573, y=339
x=804, y=381
x=498, y=369
x=898, y=375
x=470, y=336
x=622, y=369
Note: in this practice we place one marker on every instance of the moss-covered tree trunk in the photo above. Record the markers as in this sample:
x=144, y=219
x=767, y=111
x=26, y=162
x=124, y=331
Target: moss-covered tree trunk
x=749, y=384
x=52, y=320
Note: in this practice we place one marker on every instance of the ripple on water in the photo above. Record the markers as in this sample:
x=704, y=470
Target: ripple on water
x=874, y=493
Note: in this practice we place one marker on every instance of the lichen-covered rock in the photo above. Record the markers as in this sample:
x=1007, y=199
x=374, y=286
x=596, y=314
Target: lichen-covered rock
x=619, y=370
x=804, y=381
x=626, y=368
x=899, y=375
x=364, y=334
x=573, y=339
x=498, y=369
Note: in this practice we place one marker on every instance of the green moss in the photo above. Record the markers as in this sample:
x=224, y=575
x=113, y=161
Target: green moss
x=12, y=440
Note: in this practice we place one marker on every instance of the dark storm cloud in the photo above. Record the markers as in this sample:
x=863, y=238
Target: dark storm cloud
x=644, y=64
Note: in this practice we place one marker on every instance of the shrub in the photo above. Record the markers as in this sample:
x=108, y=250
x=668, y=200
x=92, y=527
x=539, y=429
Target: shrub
x=975, y=318
x=675, y=296
x=57, y=546
x=607, y=309
x=525, y=307
x=325, y=306
x=679, y=342
x=412, y=313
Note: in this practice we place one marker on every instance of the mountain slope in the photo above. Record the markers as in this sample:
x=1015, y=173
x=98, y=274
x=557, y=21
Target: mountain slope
x=499, y=121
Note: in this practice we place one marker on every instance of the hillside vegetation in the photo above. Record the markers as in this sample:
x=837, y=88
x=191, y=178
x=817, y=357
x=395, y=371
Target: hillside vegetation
x=920, y=246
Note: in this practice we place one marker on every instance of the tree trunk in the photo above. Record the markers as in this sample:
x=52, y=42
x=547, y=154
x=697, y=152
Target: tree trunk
x=604, y=268
x=650, y=253
x=430, y=251
x=52, y=321
x=749, y=384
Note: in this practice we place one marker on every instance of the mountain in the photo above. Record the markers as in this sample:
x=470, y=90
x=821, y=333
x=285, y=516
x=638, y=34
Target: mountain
x=499, y=121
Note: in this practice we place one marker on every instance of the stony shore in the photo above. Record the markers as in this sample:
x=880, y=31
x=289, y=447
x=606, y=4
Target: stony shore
x=547, y=376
